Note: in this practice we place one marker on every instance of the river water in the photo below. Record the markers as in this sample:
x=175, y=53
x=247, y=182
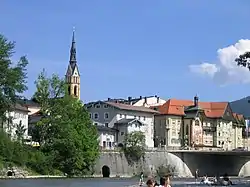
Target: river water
x=94, y=183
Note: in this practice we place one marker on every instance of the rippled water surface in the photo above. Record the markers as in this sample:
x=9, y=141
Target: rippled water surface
x=96, y=183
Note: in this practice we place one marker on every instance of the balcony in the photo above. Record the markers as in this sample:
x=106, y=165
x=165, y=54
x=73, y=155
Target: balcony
x=209, y=129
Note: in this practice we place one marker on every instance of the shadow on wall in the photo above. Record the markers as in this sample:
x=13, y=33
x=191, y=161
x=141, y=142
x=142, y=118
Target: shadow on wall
x=105, y=171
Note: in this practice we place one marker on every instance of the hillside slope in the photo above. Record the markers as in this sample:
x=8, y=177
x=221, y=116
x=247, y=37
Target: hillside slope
x=241, y=106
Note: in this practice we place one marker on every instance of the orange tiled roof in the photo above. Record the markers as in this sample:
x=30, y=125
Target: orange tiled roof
x=238, y=117
x=176, y=107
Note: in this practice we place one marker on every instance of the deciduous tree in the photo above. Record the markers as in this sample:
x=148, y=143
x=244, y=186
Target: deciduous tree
x=69, y=136
x=12, y=77
x=134, y=145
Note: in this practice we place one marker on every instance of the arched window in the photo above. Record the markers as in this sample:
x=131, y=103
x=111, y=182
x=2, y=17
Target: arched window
x=69, y=90
x=75, y=90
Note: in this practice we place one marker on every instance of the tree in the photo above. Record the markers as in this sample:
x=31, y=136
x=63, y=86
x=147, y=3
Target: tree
x=134, y=146
x=20, y=130
x=48, y=90
x=69, y=137
x=12, y=77
x=243, y=60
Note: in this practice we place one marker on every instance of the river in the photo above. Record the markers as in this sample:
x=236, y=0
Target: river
x=100, y=182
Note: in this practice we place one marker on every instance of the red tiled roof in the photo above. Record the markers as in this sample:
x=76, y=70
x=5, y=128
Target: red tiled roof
x=238, y=117
x=131, y=107
x=176, y=107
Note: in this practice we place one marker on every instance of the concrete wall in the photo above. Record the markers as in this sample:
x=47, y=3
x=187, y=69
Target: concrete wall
x=184, y=163
x=119, y=166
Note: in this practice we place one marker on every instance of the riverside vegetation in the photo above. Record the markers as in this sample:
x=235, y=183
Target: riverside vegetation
x=67, y=138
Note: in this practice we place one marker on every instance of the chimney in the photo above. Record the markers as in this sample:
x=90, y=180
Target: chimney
x=109, y=99
x=155, y=95
x=129, y=100
x=196, y=101
x=140, y=97
x=145, y=98
x=158, y=99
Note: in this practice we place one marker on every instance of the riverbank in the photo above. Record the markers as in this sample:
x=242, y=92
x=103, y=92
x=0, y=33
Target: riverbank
x=60, y=176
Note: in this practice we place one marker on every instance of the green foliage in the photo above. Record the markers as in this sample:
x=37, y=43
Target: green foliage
x=243, y=60
x=20, y=130
x=67, y=135
x=134, y=146
x=15, y=153
x=165, y=170
x=12, y=77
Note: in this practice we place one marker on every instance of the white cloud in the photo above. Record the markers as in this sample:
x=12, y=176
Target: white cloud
x=226, y=70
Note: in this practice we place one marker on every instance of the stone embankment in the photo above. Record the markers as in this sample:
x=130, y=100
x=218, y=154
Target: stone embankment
x=116, y=164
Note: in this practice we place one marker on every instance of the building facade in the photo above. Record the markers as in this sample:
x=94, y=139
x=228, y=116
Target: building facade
x=124, y=119
x=197, y=125
x=17, y=122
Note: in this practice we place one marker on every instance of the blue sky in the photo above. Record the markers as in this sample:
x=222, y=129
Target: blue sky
x=129, y=47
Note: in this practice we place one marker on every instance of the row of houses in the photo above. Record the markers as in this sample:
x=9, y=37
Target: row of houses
x=168, y=124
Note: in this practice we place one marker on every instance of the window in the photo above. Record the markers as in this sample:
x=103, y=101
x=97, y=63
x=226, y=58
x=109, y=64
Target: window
x=95, y=124
x=110, y=144
x=120, y=115
x=219, y=142
x=106, y=115
x=219, y=134
x=104, y=144
x=75, y=90
x=105, y=106
x=139, y=117
x=122, y=133
x=125, y=116
x=96, y=116
x=135, y=117
x=106, y=124
x=144, y=118
x=90, y=115
x=197, y=123
x=98, y=106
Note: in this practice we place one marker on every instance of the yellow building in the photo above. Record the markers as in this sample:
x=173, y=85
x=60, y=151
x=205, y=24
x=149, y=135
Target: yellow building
x=197, y=125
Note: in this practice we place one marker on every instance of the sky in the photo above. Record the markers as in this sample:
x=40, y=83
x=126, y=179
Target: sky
x=173, y=49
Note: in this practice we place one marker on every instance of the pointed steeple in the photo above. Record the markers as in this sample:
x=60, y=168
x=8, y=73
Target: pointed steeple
x=73, y=75
x=72, y=59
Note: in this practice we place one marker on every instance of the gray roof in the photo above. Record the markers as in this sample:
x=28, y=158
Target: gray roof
x=103, y=128
x=131, y=107
x=127, y=121
x=20, y=107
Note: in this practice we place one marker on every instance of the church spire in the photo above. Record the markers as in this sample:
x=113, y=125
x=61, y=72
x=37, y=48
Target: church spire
x=73, y=74
x=72, y=59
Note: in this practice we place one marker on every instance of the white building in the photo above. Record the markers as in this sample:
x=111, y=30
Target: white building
x=18, y=118
x=124, y=118
x=106, y=137
x=150, y=101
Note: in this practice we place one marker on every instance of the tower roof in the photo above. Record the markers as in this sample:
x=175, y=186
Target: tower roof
x=72, y=67
x=72, y=59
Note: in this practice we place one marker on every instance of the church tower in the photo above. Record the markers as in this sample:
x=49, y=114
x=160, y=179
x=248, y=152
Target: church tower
x=73, y=75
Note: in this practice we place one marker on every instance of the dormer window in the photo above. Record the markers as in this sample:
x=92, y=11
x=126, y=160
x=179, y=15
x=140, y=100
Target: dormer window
x=105, y=106
x=97, y=106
